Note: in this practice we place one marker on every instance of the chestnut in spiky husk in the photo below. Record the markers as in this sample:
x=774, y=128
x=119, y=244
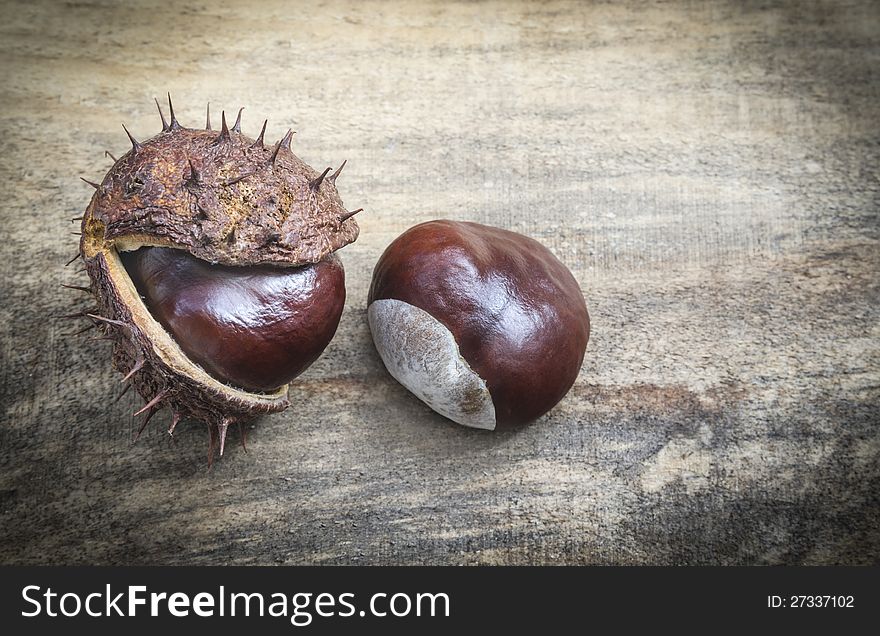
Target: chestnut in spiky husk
x=211, y=257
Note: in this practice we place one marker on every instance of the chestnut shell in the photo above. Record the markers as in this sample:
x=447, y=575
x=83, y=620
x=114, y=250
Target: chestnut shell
x=224, y=198
x=516, y=312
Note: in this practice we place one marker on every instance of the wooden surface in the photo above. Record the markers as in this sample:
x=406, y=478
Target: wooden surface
x=708, y=170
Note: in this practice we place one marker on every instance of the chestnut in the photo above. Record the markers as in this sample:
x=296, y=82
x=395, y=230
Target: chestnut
x=256, y=327
x=484, y=325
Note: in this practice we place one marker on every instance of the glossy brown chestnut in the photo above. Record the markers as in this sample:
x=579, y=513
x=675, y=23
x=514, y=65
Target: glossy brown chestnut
x=254, y=327
x=517, y=318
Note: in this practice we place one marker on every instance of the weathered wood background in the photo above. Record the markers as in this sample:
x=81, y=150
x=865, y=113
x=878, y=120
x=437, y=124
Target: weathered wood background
x=710, y=171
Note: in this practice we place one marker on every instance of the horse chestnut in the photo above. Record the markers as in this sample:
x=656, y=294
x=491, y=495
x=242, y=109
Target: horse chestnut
x=211, y=258
x=484, y=325
x=252, y=327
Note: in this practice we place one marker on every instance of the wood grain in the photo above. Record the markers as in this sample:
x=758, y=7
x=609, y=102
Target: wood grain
x=709, y=171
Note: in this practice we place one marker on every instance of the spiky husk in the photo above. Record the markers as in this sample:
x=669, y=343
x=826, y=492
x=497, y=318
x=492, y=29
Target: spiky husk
x=225, y=198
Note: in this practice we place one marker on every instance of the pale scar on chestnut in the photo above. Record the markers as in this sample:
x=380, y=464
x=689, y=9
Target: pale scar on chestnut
x=211, y=260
